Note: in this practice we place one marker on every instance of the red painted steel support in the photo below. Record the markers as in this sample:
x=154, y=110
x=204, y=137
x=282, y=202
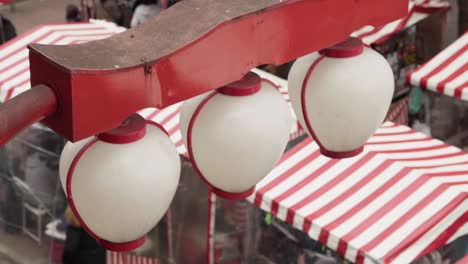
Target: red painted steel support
x=25, y=110
x=194, y=47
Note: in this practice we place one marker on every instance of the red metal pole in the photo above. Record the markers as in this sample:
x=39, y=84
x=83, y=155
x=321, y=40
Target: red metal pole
x=24, y=110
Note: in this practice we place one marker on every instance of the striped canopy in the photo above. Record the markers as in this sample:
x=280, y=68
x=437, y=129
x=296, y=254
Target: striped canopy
x=14, y=62
x=447, y=72
x=418, y=10
x=405, y=196
x=124, y=258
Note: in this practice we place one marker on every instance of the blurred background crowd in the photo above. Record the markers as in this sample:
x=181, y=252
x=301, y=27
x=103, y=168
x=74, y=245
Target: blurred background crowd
x=126, y=13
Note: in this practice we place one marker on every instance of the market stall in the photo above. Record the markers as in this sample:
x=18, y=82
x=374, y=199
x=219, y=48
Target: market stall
x=401, y=199
x=446, y=72
x=418, y=11
x=444, y=77
x=403, y=43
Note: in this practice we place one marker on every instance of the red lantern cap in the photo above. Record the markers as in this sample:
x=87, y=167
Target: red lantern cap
x=249, y=85
x=120, y=247
x=350, y=48
x=230, y=195
x=131, y=130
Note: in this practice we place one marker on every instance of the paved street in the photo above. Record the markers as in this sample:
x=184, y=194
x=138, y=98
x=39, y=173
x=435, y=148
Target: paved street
x=21, y=249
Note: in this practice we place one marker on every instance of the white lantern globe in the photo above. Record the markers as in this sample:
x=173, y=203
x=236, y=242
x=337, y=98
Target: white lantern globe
x=341, y=95
x=236, y=134
x=119, y=184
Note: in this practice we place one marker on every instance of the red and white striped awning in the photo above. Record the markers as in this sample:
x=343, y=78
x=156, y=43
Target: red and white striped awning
x=124, y=258
x=14, y=62
x=418, y=10
x=405, y=196
x=447, y=72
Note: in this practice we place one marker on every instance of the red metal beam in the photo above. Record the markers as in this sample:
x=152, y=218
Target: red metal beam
x=189, y=49
x=25, y=110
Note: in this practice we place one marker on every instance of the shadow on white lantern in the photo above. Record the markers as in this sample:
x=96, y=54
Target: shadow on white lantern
x=341, y=95
x=236, y=134
x=120, y=183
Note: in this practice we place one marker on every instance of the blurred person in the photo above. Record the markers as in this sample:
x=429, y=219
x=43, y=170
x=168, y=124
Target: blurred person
x=7, y=30
x=462, y=16
x=10, y=199
x=144, y=10
x=73, y=14
x=40, y=167
x=457, y=249
x=111, y=10
x=87, y=9
x=80, y=247
x=172, y=2
x=42, y=181
x=17, y=153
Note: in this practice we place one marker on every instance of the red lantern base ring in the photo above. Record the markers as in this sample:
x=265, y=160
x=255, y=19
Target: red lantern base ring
x=341, y=155
x=342, y=52
x=119, y=247
x=233, y=196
